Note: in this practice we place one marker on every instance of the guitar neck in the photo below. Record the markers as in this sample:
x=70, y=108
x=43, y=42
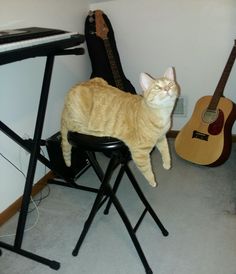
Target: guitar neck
x=113, y=65
x=223, y=80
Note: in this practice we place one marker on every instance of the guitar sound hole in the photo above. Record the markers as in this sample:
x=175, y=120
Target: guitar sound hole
x=210, y=116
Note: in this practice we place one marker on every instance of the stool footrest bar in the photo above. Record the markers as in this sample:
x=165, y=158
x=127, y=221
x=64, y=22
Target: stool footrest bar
x=140, y=220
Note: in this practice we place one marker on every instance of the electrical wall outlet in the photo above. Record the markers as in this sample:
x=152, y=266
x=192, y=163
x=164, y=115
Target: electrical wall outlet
x=180, y=106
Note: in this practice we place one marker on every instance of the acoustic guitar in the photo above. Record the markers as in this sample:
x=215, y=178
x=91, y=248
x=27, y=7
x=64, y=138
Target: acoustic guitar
x=206, y=138
x=103, y=51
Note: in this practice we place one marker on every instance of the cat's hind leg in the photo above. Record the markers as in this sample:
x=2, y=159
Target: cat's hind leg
x=163, y=147
x=143, y=162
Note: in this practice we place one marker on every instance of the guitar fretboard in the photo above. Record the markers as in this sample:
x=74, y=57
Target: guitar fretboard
x=113, y=65
x=223, y=80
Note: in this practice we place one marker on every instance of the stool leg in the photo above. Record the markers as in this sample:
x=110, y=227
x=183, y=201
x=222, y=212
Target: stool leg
x=129, y=227
x=95, y=206
x=115, y=187
x=94, y=163
x=144, y=200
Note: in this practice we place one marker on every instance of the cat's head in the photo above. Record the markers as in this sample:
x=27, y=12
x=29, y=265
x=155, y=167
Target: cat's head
x=160, y=92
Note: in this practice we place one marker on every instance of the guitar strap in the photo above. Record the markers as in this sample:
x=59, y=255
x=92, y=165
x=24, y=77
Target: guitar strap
x=101, y=66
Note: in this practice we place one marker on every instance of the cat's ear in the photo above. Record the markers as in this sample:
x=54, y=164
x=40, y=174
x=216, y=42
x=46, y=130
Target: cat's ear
x=145, y=81
x=170, y=74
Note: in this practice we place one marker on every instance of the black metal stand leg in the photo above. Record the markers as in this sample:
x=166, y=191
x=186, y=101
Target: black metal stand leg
x=35, y=151
x=31, y=172
x=144, y=200
x=96, y=205
x=52, y=264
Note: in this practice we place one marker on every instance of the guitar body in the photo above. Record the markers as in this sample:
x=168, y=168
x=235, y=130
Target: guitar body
x=206, y=138
x=103, y=51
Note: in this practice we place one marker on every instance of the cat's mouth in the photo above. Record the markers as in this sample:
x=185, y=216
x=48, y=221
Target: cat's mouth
x=167, y=93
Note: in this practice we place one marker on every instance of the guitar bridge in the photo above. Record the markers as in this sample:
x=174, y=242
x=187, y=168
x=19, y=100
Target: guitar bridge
x=200, y=135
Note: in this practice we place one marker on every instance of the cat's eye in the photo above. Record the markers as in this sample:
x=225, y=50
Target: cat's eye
x=158, y=87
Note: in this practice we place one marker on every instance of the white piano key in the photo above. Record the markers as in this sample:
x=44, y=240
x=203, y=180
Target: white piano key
x=35, y=41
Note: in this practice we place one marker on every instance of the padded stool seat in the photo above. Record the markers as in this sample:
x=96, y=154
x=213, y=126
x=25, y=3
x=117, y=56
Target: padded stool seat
x=93, y=143
x=119, y=156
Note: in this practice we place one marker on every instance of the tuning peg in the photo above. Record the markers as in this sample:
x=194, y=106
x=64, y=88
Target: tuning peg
x=91, y=16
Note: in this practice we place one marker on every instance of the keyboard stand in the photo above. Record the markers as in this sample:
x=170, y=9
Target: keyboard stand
x=50, y=51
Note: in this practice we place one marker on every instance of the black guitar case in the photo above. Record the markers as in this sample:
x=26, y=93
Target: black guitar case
x=100, y=62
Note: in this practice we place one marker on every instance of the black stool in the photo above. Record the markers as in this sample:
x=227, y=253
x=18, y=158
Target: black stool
x=119, y=156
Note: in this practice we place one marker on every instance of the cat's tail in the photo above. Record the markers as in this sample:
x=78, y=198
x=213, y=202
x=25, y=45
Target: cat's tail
x=65, y=145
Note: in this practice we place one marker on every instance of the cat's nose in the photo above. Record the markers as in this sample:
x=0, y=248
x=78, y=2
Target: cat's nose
x=168, y=92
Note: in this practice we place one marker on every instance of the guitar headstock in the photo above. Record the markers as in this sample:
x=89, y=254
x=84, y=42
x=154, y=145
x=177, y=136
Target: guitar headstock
x=101, y=27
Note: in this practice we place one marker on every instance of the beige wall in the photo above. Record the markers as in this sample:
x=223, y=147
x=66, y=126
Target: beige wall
x=194, y=36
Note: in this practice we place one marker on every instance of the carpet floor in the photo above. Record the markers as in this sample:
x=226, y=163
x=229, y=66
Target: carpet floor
x=196, y=204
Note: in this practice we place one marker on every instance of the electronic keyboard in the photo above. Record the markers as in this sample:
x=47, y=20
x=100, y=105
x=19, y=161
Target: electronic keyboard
x=36, y=41
x=26, y=37
x=33, y=42
x=15, y=35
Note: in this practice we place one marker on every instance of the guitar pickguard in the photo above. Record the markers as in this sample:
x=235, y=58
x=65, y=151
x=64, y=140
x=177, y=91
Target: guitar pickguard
x=216, y=127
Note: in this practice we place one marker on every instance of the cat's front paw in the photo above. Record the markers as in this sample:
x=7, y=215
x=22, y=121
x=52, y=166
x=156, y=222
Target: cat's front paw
x=167, y=165
x=153, y=183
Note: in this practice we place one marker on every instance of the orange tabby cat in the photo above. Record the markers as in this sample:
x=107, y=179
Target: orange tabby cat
x=141, y=122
